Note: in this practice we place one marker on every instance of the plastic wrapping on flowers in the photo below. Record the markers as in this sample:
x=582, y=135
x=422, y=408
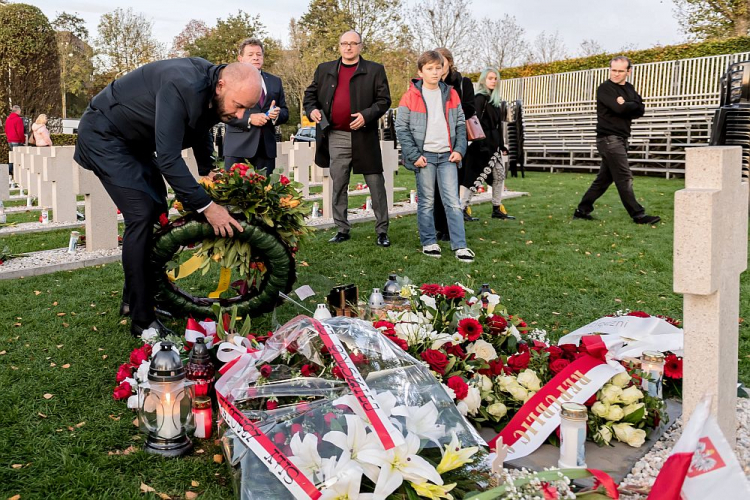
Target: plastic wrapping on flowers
x=354, y=413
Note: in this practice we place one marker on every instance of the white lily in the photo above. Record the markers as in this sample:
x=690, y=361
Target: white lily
x=305, y=455
x=398, y=464
x=354, y=441
x=343, y=479
x=422, y=420
x=386, y=401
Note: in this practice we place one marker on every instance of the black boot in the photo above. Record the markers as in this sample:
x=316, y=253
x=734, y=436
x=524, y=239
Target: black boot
x=468, y=217
x=498, y=212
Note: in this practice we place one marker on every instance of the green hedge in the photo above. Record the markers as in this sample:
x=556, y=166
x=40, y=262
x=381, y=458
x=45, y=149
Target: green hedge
x=57, y=140
x=656, y=54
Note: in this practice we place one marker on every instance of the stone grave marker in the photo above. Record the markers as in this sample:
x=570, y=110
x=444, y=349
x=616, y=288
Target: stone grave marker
x=4, y=186
x=192, y=163
x=390, y=167
x=710, y=253
x=57, y=172
x=301, y=158
x=101, y=213
x=282, y=157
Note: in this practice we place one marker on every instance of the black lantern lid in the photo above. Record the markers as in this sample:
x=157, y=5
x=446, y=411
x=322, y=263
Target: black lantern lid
x=166, y=365
x=391, y=290
x=199, y=354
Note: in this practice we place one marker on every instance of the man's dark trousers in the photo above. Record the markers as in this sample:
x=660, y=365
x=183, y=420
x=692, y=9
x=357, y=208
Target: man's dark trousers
x=11, y=146
x=614, y=152
x=262, y=163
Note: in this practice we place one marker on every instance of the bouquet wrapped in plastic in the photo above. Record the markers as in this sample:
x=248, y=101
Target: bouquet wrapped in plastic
x=336, y=410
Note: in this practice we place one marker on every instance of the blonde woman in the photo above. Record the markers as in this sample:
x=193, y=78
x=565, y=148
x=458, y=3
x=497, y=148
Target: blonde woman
x=41, y=134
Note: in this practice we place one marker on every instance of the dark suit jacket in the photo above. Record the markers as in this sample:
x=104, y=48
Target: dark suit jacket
x=163, y=108
x=370, y=96
x=243, y=142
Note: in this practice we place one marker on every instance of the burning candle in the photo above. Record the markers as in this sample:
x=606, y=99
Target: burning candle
x=203, y=417
x=652, y=364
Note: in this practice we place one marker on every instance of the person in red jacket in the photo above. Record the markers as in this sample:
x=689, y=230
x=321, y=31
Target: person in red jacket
x=14, y=131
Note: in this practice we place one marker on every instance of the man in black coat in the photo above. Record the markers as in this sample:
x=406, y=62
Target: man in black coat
x=345, y=99
x=258, y=143
x=132, y=136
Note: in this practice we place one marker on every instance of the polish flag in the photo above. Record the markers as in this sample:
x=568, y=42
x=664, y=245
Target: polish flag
x=702, y=464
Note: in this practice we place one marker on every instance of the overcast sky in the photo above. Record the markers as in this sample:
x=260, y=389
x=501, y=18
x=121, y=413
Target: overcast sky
x=612, y=23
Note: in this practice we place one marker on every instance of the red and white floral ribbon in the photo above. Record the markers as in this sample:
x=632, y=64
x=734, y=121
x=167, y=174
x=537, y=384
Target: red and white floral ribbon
x=540, y=415
x=237, y=356
x=201, y=329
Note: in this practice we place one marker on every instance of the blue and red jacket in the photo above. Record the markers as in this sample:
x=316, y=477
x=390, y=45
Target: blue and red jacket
x=411, y=122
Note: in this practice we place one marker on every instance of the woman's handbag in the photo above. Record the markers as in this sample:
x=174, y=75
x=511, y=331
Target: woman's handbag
x=32, y=139
x=474, y=130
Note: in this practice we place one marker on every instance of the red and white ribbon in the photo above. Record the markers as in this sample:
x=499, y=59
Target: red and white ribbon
x=540, y=415
x=201, y=329
x=238, y=356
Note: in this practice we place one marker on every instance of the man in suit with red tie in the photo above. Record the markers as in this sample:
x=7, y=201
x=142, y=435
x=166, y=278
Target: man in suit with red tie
x=253, y=138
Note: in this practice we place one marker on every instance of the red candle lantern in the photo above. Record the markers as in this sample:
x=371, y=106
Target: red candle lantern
x=203, y=417
x=200, y=370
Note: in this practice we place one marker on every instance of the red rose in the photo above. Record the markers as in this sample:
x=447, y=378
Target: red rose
x=458, y=385
x=558, y=365
x=673, y=366
x=271, y=405
x=284, y=180
x=496, y=367
x=569, y=351
x=265, y=371
x=303, y=407
x=337, y=372
x=554, y=352
x=308, y=370
x=292, y=348
x=137, y=357
x=671, y=321
x=590, y=402
x=122, y=391
x=431, y=290
x=124, y=372
x=519, y=362
x=496, y=324
x=455, y=350
x=639, y=314
x=358, y=358
x=399, y=342
x=470, y=329
x=538, y=346
x=279, y=438
x=523, y=347
x=147, y=350
x=329, y=417
x=386, y=327
x=436, y=359
x=453, y=292
x=163, y=220
x=296, y=428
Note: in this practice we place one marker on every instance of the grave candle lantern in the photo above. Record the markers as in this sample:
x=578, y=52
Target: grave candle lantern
x=376, y=303
x=203, y=415
x=573, y=436
x=200, y=369
x=652, y=364
x=166, y=405
x=322, y=312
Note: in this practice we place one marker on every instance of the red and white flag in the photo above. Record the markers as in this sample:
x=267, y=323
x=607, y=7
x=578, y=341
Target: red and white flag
x=702, y=464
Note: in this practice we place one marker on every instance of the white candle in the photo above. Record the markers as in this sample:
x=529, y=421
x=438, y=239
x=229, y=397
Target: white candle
x=166, y=414
x=652, y=364
x=573, y=436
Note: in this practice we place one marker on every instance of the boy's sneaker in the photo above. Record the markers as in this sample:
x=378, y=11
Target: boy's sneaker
x=647, y=219
x=432, y=250
x=465, y=255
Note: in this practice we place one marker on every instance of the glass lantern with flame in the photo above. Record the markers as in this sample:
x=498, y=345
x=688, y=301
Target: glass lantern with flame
x=166, y=405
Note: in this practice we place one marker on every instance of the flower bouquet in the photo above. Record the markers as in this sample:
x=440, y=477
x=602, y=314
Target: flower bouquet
x=336, y=410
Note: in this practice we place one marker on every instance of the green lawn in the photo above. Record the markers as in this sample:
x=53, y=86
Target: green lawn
x=556, y=273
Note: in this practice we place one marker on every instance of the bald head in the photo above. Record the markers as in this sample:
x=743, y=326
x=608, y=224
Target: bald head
x=237, y=90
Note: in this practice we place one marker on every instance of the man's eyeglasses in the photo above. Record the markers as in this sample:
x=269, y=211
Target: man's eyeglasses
x=350, y=44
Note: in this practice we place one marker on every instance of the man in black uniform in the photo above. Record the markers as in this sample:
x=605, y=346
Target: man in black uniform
x=132, y=135
x=617, y=104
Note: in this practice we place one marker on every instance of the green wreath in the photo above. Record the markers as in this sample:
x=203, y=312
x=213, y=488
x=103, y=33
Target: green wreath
x=267, y=247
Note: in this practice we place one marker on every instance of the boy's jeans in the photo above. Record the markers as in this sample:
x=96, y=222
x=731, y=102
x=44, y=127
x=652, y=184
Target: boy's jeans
x=447, y=180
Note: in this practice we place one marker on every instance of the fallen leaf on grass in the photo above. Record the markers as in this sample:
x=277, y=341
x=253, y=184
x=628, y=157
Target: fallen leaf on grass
x=37, y=292
x=15, y=497
x=66, y=365
x=164, y=496
x=2, y=353
x=126, y=451
x=114, y=418
x=48, y=396
x=60, y=315
x=219, y=459
x=42, y=415
x=16, y=324
x=146, y=488
x=618, y=301
x=194, y=484
x=191, y=495
x=52, y=365
x=54, y=303
x=65, y=325
x=94, y=328
x=16, y=466
x=135, y=422
x=124, y=322
x=59, y=346
x=105, y=356
x=80, y=424
x=304, y=264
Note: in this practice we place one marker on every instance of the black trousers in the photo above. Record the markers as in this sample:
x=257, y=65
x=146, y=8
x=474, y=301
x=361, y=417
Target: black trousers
x=141, y=212
x=614, y=152
x=261, y=161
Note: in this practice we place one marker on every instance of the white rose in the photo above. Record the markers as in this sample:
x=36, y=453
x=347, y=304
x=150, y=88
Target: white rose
x=149, y=334
x=483, y=382
x=492, y=301
x=133, y=402
x=482, y=350
x=497, y=410
x=628, y=434
x=473, y=400
x=600, y=409
x=462, y=408
x=450, y=391
x=142, y=373
x=631, y=395
x=505, y=381
x=518, y=392
x=428, y=301
x=514, y=331
x=529, y=395
x=605, y=433
x=529, y=380
x=615, y=413
x=457, y=338
x=610, y=394
x=621, y=379
x=633, y=408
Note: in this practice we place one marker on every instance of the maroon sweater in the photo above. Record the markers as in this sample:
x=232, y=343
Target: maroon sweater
x=341, y=109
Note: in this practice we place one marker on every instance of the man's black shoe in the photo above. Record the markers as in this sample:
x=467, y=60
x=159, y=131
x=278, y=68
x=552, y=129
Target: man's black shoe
x=157, y=325
x=498, y=212
x=383, y=240
x=440, y=236
x=578, y=215
x=124, y=309
x=468, y=217
x=647, y=219
x=339, y=238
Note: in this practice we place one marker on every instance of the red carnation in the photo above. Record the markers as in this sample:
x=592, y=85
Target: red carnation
x=554, y=352
x=673, y=366
x=271, y=405
x=639, y=314
x=296, y=428
x=337, y=372
x=558, y=365
x=163, y=220
x=308, y=370
x=125, y=371
x=265, y=371
x=358, y=358
x=458, y=385
x=496, y=324
x=453, y=292
x=137, y=357
x=284, y=180
x=386, y=327
x=431, y=289
x=519, y=362
x=436, y=359
x=550, y=492
x=279, y=438
x=470, y=329
x=399, y=342
x=122, y=391
x=455, y=350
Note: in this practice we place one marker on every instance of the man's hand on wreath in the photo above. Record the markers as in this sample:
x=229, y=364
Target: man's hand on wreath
x=221, y=221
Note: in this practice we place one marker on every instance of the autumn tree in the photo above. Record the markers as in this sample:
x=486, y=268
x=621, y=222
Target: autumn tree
x=76, y=62
x=29, y=64
x=502, y=44
x=704, y=19
x=194, y=30
x=590, y=48
x=445, y=23
x=125, y=42
x=548, y=47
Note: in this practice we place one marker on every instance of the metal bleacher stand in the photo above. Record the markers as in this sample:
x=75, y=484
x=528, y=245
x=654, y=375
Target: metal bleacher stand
x=680, y=96
x=731, y=126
